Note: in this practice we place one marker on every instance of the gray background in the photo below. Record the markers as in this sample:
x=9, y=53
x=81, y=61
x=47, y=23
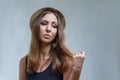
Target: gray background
x=92, y=26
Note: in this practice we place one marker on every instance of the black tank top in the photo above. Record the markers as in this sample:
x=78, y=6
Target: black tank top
x=47, y=74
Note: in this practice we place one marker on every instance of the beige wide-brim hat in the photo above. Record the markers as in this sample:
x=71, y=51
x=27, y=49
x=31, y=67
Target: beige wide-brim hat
x=39, y=11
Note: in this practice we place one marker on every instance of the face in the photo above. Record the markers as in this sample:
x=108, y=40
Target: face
x=48, y=28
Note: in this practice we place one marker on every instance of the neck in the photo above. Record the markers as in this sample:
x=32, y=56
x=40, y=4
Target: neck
x=45, y=49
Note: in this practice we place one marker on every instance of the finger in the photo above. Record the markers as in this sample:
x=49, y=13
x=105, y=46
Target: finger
x=74, y=55
x=82, y=54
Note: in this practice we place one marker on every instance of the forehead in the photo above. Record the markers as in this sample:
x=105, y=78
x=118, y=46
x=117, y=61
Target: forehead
x=50, y=17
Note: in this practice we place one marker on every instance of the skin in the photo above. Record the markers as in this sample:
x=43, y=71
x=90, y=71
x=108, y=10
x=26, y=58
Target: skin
x=48, y=28
x=77, y=64
x=48, y=31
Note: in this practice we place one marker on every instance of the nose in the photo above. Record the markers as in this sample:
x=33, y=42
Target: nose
x=48, y=29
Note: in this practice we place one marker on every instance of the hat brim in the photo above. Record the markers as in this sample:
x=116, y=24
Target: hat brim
x=38, y=12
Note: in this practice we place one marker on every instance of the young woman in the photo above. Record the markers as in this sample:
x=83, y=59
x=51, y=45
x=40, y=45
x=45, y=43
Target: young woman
x=48, y=57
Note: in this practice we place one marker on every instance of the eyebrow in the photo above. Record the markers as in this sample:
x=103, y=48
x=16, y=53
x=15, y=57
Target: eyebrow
x=48, y=21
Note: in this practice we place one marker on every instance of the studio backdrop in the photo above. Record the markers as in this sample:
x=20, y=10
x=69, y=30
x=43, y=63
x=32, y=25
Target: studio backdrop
x=92, y=26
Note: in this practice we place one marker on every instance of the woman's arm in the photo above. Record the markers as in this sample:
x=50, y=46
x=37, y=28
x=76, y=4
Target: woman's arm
x=73, y=72
x=77, y=66
x=22, y=75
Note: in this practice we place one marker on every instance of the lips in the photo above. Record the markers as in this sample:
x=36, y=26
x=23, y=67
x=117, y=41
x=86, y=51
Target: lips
x=47, y=36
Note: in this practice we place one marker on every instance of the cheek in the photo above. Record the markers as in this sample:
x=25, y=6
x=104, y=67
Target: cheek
x=41, y=30
x=55, y=32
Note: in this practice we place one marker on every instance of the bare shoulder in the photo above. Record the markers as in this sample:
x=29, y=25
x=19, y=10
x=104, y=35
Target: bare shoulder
x=22, y=64
x=69, y=61
x=22, y=60
x=68, y=70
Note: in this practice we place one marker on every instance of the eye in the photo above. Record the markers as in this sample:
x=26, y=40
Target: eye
x=43, y=23
x=54, y=25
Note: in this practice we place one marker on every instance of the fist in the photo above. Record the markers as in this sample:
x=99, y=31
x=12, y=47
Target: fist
x=78, y=60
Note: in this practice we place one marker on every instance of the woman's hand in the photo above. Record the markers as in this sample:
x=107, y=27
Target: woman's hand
x=78, y=60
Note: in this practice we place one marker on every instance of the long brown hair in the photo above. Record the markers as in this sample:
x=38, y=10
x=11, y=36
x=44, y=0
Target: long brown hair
x=59, y=52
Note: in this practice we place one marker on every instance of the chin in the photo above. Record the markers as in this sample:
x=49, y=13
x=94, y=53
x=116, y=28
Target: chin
x=47, y=41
